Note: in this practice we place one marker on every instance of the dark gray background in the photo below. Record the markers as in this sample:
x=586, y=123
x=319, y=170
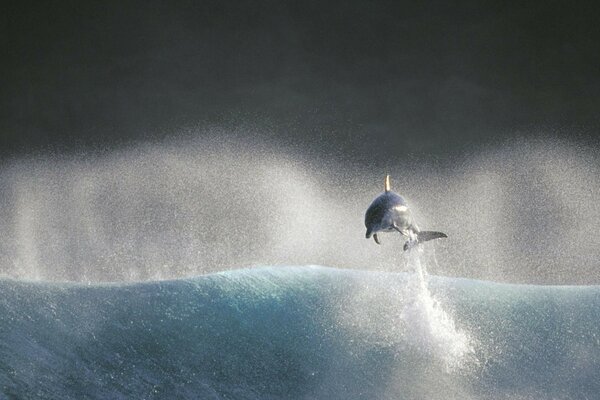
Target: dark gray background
x=353, y=76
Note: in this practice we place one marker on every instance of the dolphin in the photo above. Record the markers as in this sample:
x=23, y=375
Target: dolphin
x=388, y=213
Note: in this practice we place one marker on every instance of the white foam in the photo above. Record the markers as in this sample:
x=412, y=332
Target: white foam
x=429, y=327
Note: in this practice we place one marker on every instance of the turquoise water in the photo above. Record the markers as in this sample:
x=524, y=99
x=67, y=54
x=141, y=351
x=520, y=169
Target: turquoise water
x=299, y=333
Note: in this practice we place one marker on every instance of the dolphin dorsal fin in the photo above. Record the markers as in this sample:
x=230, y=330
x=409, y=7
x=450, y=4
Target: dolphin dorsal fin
x=387, y=183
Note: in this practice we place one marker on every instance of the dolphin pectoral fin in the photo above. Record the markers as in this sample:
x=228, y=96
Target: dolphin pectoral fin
x=376, y=239
x=425, y=236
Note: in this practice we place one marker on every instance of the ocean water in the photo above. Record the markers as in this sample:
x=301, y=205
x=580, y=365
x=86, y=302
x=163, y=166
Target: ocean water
x=299, y=332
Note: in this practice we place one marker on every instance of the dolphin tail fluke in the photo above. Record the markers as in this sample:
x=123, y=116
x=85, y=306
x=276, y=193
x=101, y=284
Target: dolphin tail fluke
x=424, y=236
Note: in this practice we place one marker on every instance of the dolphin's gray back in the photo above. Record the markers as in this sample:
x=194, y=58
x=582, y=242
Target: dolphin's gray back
x=389, y=212
x=376, y=213
x=381, y=204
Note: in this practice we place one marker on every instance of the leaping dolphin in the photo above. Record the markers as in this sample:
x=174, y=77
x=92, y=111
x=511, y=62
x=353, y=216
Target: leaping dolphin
x=389, y=212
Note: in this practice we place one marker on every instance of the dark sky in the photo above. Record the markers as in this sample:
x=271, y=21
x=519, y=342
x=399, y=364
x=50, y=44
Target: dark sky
x=362, y=77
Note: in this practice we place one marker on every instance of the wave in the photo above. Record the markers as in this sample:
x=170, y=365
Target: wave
x=306, y=332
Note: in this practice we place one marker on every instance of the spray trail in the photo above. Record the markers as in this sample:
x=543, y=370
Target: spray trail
x=432, y=328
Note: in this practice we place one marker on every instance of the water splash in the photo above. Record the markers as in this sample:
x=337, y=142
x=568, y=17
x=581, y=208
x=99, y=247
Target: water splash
x=432, y=329
x=399, y=312
x=182, y=208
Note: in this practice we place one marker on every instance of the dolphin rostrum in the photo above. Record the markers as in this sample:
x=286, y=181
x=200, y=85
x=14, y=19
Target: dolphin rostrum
x=389, y=212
